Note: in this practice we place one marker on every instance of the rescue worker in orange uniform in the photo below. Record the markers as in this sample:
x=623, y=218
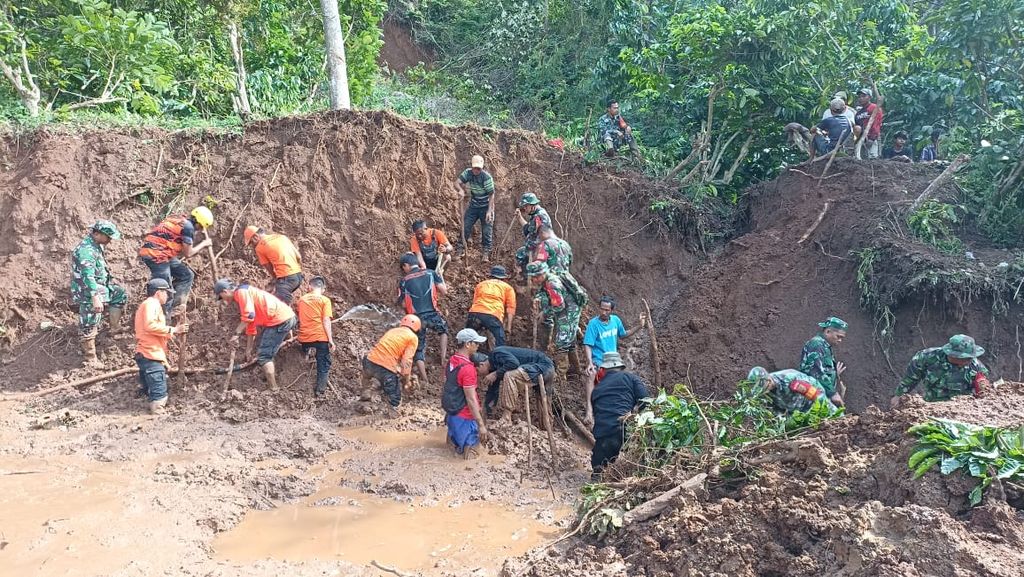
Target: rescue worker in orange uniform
x=494, y=306
x=430, y=246
x=391, y=359
x=258, y=308
x=279, y=256
x=315, y=334
x=152, y=334
x=170, y=241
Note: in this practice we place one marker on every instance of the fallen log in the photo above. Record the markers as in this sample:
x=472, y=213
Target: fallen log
x=578, y=426
x=940, y=180
x=814, y=227
x=654, y=507
x=655, y=355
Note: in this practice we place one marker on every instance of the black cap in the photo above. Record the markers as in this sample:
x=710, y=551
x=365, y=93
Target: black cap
x=158, y=284
x=478, y=358
x=418, y=225
x=409, y=259
x=498, y=271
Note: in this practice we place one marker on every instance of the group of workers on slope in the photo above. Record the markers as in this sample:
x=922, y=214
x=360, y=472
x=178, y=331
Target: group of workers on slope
x=842, y=124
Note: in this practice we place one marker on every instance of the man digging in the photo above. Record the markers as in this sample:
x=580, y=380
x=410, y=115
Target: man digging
x=946, y=372
x=258, y=309
x=152, y=334
x=278, y=255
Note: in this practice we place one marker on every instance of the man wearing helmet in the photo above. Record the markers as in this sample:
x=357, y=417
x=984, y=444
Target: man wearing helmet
x=170, y=241
x=92, y=287
x=279, y=256
x=152, y=334
x=479, y=185
x=391, y=359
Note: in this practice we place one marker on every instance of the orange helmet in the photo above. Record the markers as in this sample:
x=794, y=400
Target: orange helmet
x=250, y=231
x=412, y=322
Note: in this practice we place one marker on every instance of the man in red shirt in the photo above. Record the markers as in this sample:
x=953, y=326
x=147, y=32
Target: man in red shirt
x=258, y=308
x=466, y=427
x=865, y=109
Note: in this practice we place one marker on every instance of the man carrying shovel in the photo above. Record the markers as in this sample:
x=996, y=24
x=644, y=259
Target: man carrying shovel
x=479, y=185
x=167, y=243
x=258, y=308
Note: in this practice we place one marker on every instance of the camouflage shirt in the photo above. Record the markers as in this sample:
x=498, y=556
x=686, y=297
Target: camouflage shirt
x=817, y=361
x=942, y=379
x=552, y=296
x=89, y=274
x=532, y=227
x=606, y=125
x=796, y=391
x=556, y=253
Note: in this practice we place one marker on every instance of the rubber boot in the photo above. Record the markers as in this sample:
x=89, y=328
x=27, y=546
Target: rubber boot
x=115, y=321
x=574, y=362
x=89, y=359
x=268, y=369
x=562, y=367
x=158, y=407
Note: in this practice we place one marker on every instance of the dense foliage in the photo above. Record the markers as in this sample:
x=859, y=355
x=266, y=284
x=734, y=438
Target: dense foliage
x=173, y=57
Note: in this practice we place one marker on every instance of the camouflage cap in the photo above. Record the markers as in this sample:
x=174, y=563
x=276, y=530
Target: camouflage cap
x=527, y=199
x=536, y=268
x=108, y=228
x=833, y=323
x=962, y=347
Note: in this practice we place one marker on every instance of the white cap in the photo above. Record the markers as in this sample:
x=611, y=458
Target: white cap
x=477, y=162
x=469, y=336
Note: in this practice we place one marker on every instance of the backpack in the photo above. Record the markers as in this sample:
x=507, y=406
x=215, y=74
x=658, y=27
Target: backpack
x=574, y=288
x=453, y=399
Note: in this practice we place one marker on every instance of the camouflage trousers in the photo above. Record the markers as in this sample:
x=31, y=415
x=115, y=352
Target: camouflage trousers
x=89, y=321
x=566, y=326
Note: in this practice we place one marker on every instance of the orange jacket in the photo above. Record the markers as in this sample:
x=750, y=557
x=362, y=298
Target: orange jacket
x=494, y=297
x=313, y=309
x=164, y=242
x=152, y=331
x=278, y=250
x=394, y=350
x=258, y=308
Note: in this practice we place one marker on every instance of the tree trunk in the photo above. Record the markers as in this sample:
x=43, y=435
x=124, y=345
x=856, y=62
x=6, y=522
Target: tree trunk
x=25, y=86
x=941, y=180
x=337, y=69
x=241, y=99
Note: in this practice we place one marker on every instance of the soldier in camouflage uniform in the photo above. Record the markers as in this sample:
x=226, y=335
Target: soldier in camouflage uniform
x=561, y=308
x=614, y=131
x=791, y=390
x=532, y=216
x=946, y=372
x=92, y=287
x=818, y=361
x=553, y=251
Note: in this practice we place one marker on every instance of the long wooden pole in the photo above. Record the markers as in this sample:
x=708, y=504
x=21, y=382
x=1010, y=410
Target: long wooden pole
x=655, y=356
x=547, y=415
x=183, y=345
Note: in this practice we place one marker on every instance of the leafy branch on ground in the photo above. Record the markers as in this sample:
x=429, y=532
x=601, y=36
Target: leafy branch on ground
x=989, y=454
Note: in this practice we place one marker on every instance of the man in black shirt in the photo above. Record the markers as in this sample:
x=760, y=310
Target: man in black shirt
x=897, y=151
x=614, y=397
x=511, y=366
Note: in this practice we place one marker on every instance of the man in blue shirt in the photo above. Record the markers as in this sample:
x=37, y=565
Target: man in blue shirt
x=832, y=131
x=602, y=336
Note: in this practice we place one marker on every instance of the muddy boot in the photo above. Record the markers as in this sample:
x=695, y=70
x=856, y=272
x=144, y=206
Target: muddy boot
x=89, y=359
x=268, y=369
x=158, y=407
x=574, y=362
x=115, y=322
x=562, y=367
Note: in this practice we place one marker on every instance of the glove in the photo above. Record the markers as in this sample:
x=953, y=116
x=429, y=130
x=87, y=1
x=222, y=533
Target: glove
x=981, y=384
x=804, y=389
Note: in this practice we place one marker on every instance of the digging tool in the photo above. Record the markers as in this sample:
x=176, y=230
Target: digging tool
x=529, y=425
x=508, y=230
x=213, y=258
x=536, y=318
x=547, y=415
x=655, y=356
x=183, y=345
x=462, y=225
x=227, y=378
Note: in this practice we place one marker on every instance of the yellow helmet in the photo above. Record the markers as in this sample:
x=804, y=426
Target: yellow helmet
x=203, y=216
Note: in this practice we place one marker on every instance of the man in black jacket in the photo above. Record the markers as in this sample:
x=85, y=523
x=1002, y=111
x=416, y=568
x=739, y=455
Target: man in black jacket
x=614, y=397
x=510, y=367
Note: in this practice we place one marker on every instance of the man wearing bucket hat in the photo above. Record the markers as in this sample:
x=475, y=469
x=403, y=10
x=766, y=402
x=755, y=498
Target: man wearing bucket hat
x=494, y=306
x=152, y=334
x=615, y=397
x=92, y=288
x=790, y=389
x=560, y=303
x=818, y=360
x=946, y=372
x=479, y=185
x=532, y=216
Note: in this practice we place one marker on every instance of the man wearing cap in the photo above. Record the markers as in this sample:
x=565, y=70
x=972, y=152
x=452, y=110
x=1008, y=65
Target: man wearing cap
x=898, y=150
x=167, y=243
x=614, y=131
x=494, y=306
x=553, y=251
x=92, y=287
x=315, y=334
x=865, y=110
x=510, y=367
x=846, y=111
x=430, y=246
x=560, y=308
x=818, y=360
x=418, y=292
x=946, y=372
x=532, y=216
x=618, y=394
x=466, y=427
x=390, y=360
x=832, y=131
x=602, y=336
x=279, y=256
x=152, y=334
x=791, y=390
x=258, y=308
x=479, y=184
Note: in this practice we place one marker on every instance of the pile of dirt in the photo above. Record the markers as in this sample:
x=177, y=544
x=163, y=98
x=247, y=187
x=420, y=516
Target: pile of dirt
x=838, y=502
x=400, y=51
